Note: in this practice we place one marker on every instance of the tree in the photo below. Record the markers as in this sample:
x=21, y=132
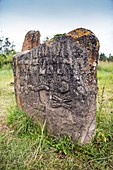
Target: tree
x=102, y=57
x=110, y=58
x=6, y=47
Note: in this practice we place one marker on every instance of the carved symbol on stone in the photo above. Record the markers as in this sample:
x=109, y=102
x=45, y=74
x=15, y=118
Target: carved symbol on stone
x=42, y=66
x=57, y=101
x=59, y=79
x=42, y=93
x=64, y=87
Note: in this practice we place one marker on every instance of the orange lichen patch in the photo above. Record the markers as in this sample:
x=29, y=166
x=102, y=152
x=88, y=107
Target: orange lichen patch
x=83, y=69
x=98, y=45
x=79, y=33
x=82, y=32
x=77, y=42
x=90, y=60
x=16, y=62
x=73, y=36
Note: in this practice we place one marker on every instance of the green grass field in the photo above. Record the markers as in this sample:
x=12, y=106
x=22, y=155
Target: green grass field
x=26, y=146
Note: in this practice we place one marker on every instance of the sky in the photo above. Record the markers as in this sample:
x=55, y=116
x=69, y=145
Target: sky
x=52, y=17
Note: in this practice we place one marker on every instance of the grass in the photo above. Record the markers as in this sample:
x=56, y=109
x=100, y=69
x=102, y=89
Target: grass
x=6, y=93
x=105, y=66
x=6, y=89
x=25, y=144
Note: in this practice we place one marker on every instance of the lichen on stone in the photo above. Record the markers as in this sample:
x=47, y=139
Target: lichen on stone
x=58, y=79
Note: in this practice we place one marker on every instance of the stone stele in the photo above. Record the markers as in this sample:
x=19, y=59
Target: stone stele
x=56, y=82
x=32, y=39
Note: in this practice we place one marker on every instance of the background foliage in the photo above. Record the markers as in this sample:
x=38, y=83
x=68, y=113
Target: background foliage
x=7, y=50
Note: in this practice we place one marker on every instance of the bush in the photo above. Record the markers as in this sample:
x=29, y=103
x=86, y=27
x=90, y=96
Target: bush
x=102, y=57
x=110, y=58
x=7, y=50
x=5, y=59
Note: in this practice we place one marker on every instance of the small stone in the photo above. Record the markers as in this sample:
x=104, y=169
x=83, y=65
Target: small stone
x=32, y=39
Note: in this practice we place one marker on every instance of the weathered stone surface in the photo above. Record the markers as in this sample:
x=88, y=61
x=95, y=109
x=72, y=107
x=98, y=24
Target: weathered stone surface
x=57, y=82
x=32, y=39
